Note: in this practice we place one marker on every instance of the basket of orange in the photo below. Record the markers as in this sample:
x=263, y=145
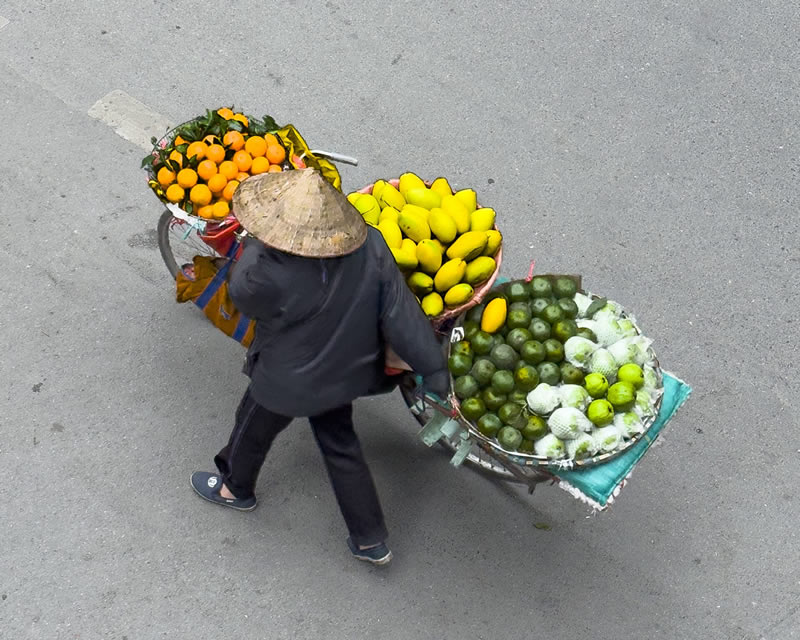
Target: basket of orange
x=199, y=164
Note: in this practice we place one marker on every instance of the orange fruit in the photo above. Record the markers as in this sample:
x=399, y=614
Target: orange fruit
x=187, y=178
x=228, y=169
x=229, y=190
x=217, y=183
x=242, y=118
x=179, y=140
x=200, y=194
x=216, y=153
x=276, y=153
x=221, y=209
x=243, y=160
x=242, y=176
x=271, y=138
x=206, y=211
x=206, y=169
x=225, y=113
x=196, y=149
x=256, y=146
x=275, y=168
x=175, y=193
x=260, y=165
x=176, y=157
x=233, y=140
x=165, y=177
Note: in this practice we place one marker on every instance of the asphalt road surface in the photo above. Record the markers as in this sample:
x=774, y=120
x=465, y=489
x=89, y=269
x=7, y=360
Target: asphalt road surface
x=651, y=146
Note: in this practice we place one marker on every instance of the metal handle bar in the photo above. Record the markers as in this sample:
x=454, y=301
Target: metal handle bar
x=336, y=157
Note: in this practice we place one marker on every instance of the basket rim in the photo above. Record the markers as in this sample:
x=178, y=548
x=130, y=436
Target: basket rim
x=531, y=459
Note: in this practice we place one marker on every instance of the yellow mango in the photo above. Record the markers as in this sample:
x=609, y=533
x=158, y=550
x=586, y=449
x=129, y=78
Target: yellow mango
x=442, y=225
x=389, y=213
x=352, y=198
x=391, y=234
x=442, y=187
x=391, y=197
x=377, y=188
x=449, y=275
x=423, y=197
x=493, y=242
x=414, y=227
x=469, y=199
x=421, y=212
x=409, y=246
x=420, y=283
x=439, y=245
x=494, y=315
x=410, y=181
x=453, y=207
x=468, y=246
x=369, y=208
x=458, y=295
x=482, y=219
x=429, y=256
x=479, y=270
x=432, y=304
x=404, y=259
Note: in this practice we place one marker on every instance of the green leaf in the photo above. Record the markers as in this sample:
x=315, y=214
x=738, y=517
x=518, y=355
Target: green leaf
x=235, y=125
x=270, y=124
x=543, y=526
x=188, y=207
x=147, y=161
x=154, y=141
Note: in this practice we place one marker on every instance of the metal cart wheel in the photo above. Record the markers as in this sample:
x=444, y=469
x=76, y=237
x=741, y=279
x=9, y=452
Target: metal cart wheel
x=179, y=243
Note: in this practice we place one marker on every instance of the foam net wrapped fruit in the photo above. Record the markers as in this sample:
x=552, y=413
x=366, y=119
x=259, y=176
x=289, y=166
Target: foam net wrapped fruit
x=549, y=374
x=446, y=244
x=199, y=164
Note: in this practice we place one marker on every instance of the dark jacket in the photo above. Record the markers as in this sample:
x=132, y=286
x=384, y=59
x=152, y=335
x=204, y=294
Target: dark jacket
x=322, y=325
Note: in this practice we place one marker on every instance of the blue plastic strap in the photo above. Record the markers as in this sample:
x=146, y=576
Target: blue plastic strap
x=216, y=282
x=241, y=328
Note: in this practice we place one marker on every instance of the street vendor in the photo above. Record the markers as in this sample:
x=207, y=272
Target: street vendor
x=328, y=299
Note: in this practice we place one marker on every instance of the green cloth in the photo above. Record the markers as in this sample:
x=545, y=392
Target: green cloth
x=599, y=482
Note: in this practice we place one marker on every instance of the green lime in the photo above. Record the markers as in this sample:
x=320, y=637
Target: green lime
x=517, y=292
x=463, y=347
x=535, y=428
x=518, y=318
x=569, y=307
x=470, y=329
x=586, y=332
x=552, y=314
x=631, y=373
x=554, y=350
x=563, y=330
x=526, y=378
x=549, y=373
x=523, y=306
x=511, y=414
x=482, y=343
x=476, y=313
x=517, y=338
x=527, y=446
x=519, y=396
x=489, y=424
x=565, y=288
x=473, y=408
x=621, y=396
x=509, y=438
x=600, y=412
x=538, y=305
x=596, y=384
x=498, y=338
x=492, y=399
x=465, y=387
x=504, y=357
x=541, y=288
x=482, y=371
x=540, y=330
x=459, y=364
x=533, y=352
x=570, y=374
x=503, y=381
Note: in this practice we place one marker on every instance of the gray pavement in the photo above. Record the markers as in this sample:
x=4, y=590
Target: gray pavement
x=652, y=146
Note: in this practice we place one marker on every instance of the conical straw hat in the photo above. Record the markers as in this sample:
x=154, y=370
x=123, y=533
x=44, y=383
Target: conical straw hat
x=299, y=212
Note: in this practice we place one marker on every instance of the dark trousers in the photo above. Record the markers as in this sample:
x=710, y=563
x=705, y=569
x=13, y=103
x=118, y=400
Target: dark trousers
x=256, y=427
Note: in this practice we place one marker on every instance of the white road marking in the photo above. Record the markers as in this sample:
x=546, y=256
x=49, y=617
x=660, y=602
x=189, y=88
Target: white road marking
x=131, y=119
x=3, y=22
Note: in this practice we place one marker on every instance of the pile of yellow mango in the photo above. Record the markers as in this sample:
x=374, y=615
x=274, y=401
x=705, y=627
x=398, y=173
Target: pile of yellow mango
x=444, y=243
